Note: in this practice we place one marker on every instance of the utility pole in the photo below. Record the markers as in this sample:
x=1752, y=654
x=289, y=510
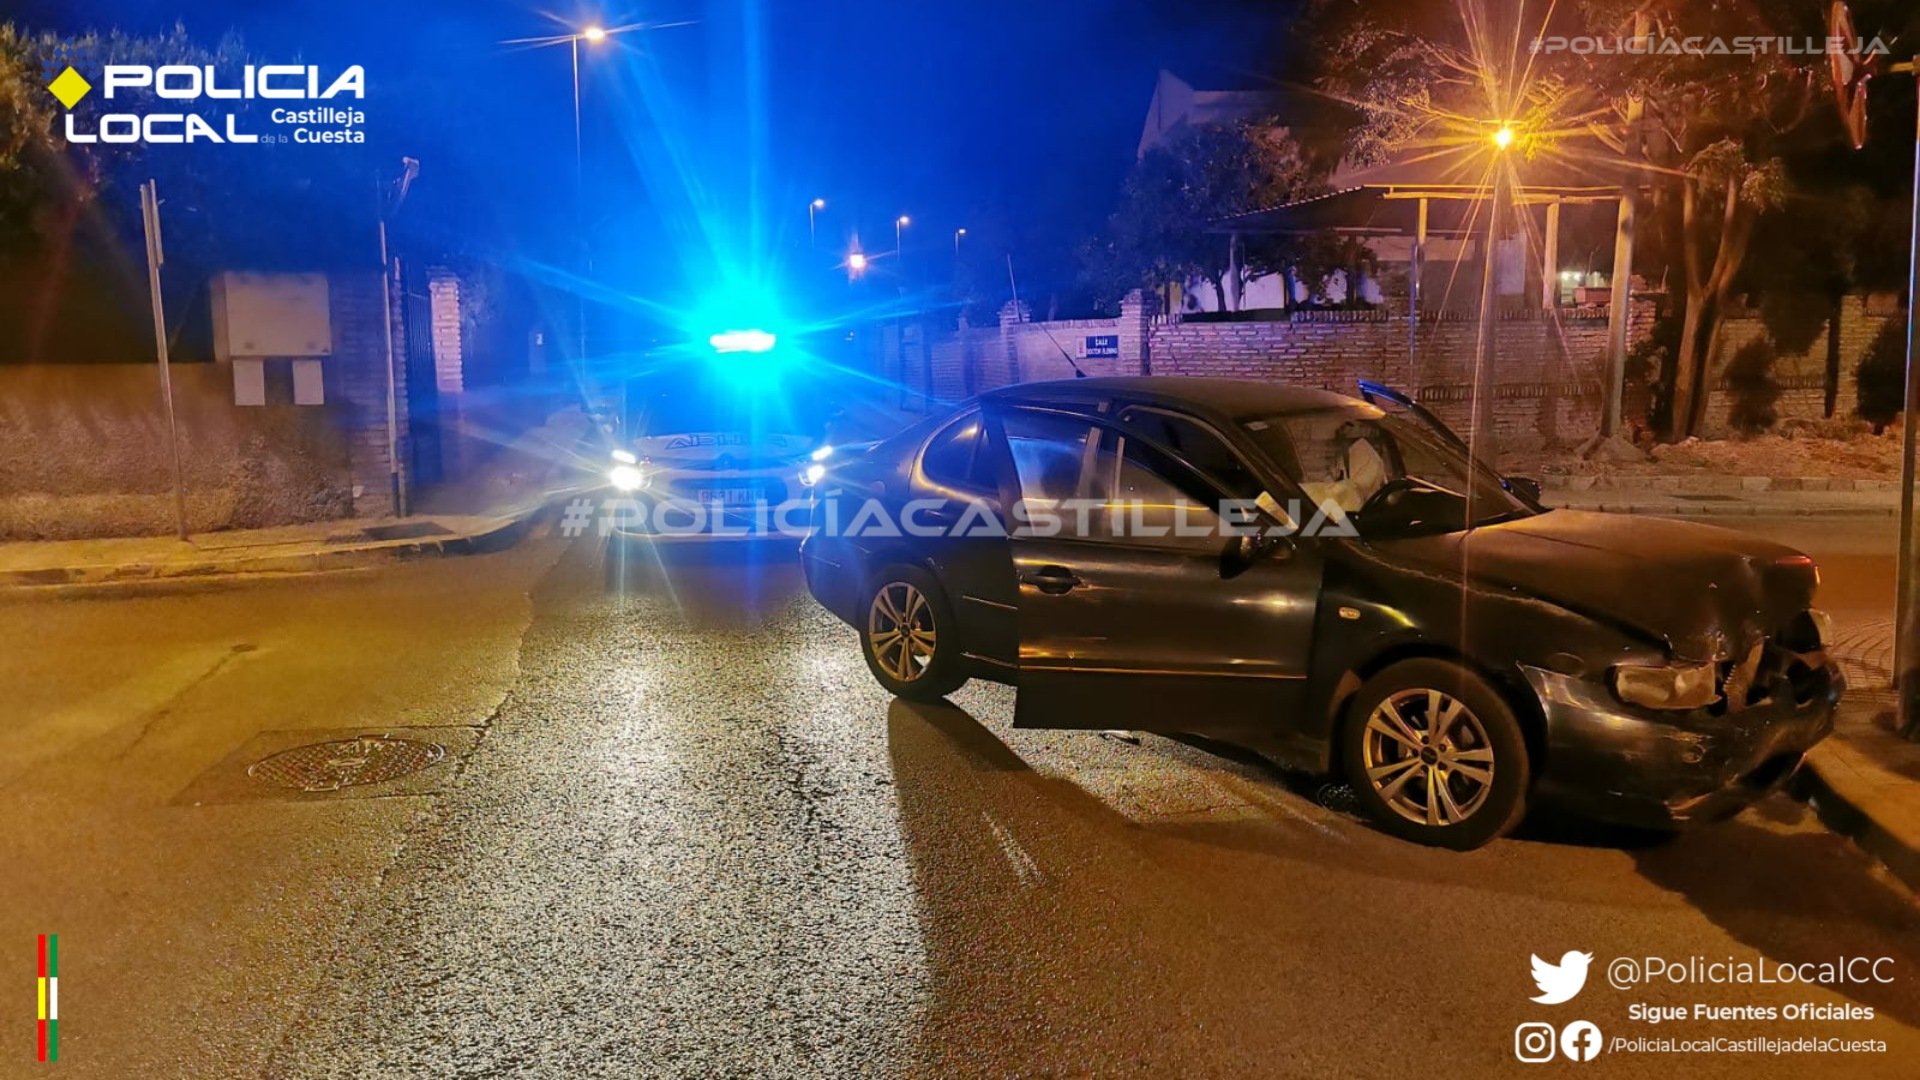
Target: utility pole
x=1621, y=299
x=1906, y=629
x=156, y=256
x=396, y=489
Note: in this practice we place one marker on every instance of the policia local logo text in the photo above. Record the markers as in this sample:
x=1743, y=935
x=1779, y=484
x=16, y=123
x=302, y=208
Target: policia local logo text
x=189, y=83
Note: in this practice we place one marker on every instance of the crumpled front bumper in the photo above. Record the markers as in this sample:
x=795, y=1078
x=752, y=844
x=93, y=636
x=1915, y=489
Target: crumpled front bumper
x=1612, y=762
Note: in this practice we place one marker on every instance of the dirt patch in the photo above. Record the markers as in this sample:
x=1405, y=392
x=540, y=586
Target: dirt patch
x=1799, y=448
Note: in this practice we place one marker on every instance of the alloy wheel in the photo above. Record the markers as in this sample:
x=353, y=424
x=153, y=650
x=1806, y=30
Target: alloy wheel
x=1428, y=757
x=901, y=630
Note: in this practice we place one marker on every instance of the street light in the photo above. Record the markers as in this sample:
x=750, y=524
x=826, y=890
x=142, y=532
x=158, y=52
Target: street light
x=592, y=35
x=856, y=263
x=1502, y=138
x=813, y=208
x=957, y=234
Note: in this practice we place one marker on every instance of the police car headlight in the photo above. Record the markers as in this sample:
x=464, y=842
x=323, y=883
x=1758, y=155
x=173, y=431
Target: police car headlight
x=627, y=477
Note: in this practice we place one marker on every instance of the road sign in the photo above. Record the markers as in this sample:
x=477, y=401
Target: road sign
x=1101, y=347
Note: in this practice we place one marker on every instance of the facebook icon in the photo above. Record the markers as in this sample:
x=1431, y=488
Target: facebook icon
x=1581, y=1041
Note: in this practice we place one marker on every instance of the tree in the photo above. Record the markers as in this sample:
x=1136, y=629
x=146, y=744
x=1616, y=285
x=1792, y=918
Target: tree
x=1700, y=127
x=69, y=211
x=1174, y=197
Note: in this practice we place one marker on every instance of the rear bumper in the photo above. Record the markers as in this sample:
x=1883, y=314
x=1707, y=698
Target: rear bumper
x=1608, y=761
x=831, y=577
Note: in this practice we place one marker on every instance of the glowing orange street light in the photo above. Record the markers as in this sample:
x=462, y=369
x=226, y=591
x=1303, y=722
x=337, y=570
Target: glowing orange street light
x=1503, y=138
x=595, y=34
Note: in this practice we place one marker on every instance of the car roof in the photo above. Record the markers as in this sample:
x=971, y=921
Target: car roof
x=1235, y=398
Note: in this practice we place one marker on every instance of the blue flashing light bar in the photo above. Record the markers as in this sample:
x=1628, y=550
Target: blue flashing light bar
x=748, y=341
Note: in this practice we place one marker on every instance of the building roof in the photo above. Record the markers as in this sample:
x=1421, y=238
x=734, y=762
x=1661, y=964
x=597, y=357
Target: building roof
x=1176, y=103
x=1393, y=209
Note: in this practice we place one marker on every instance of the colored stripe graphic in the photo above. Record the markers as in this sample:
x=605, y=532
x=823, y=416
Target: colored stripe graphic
x=49, y=1041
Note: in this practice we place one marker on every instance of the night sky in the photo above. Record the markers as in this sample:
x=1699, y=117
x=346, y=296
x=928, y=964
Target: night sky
x=1013, y=118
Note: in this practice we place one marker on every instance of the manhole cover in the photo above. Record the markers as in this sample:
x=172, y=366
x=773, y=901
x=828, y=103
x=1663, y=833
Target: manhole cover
x=330, y=766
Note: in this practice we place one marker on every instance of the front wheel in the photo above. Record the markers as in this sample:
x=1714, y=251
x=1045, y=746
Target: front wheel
x=908, y=636
x=1436, y=755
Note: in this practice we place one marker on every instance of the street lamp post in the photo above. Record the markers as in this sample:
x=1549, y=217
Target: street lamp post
x=899, y=223
x=593, y=35
x=1906, y=679
x=957, y=234
x=1502, y=138
x=813, y=208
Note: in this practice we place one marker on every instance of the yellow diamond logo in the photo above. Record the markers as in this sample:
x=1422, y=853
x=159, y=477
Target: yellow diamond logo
x=69, y=87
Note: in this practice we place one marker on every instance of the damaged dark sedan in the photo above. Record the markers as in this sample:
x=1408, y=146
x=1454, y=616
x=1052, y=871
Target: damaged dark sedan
x=1334, y=582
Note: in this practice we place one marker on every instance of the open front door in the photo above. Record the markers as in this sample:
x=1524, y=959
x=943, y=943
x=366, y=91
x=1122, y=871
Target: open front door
x=1133, y=613
x=1387, y=399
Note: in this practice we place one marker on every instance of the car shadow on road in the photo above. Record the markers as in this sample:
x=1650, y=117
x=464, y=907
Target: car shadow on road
x=1036, y=888
x=1061, y=942
x=1774, y=880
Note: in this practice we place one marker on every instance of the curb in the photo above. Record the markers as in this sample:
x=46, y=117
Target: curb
x=499, y=536
x=1727, y=509
x=1702, y=484
x=1841, y=798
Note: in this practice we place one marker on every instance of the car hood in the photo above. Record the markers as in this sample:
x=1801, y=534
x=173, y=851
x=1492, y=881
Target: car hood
x=1708, y=592
x=725, y=449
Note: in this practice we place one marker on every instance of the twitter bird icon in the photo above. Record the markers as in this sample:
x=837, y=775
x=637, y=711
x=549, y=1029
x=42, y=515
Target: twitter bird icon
x=1560, y=982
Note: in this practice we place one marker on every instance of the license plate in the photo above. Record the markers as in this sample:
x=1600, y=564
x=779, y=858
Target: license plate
x=725, y=497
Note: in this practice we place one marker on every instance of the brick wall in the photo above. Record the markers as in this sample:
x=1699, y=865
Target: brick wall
x=966, y=359
x=357, y=379
x=1544, y=381
x=1801, y=377
x=1543, y=384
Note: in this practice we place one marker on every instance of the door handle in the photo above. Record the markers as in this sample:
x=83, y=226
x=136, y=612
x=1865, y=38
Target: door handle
x=1052, y=579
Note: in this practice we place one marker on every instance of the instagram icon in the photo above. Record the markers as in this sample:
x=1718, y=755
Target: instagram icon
x=1534, y=1042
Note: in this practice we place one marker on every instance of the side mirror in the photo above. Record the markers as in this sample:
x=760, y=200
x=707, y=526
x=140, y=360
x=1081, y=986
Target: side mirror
x=1243, y=551
x=1526, y=487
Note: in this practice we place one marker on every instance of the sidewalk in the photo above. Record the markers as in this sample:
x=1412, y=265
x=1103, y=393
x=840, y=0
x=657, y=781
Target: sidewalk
x=290, y=549
x=1864, y=780
x=488, y=509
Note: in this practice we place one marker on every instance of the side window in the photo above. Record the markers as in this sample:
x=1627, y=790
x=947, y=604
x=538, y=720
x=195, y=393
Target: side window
x=1343, y=460
x=952, y=458
x=1097, y=484
x=1199, y=445
x=1047, y=453
x=1149, y=499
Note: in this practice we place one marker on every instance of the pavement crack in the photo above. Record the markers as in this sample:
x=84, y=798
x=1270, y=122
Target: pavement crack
x=154, y=716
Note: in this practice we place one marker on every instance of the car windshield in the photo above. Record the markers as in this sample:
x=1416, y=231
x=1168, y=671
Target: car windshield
x=1389, y=473
x=682, y=406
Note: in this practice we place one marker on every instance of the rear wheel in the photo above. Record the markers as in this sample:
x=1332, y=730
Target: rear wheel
x=1436, y=755
x=907, y=635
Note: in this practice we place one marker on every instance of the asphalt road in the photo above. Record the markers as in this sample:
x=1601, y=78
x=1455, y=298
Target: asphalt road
x=680, y=832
